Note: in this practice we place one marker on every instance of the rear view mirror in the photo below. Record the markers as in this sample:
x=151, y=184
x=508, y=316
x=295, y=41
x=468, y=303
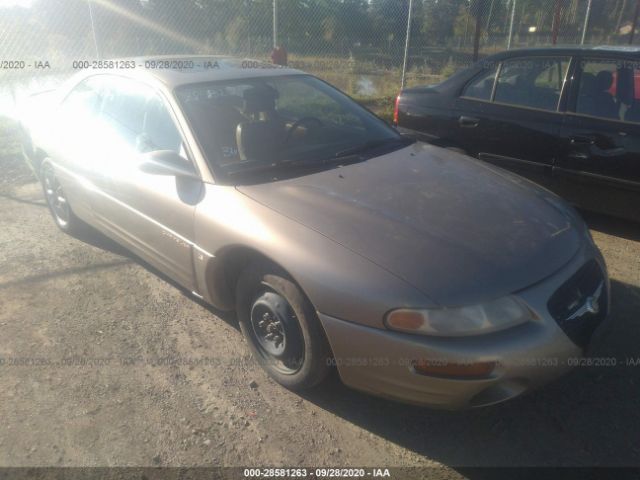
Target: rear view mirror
x=167, y=162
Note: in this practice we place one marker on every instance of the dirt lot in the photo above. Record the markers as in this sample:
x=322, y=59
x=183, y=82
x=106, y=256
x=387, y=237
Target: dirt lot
x=93, y=334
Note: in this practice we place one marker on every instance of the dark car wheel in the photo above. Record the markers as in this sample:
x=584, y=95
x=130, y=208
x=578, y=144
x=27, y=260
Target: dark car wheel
x=57, y=201
x=281, y=327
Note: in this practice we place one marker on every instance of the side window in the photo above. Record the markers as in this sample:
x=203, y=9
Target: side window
x=481, y=86
x=553, y=76
x=158, y=129
x=532, y=82
x=137, y=116
x=123, y=109
x=83, y=102
x=631, y=100
x=607, y=89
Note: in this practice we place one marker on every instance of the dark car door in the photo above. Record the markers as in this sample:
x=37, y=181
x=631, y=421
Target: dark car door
x=599, y=161
x=518, y=124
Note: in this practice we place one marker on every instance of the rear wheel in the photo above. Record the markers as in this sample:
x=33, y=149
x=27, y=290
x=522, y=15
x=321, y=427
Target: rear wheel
x=281, y=327
x=57, y=201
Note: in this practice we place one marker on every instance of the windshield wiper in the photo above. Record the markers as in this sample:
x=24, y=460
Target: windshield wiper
x=254, y=168
x=350, y=155
x=369, y=145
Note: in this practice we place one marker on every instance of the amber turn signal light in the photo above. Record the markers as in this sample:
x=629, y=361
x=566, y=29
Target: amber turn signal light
x=405, y=320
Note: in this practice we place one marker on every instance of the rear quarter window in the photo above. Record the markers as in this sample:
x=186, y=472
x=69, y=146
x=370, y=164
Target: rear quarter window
x=481, y=86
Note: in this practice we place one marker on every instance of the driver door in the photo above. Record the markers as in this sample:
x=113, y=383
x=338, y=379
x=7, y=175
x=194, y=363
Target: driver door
x=151, y=213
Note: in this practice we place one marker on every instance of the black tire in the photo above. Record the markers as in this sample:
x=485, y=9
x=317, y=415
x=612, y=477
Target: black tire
x=303, y=358
x=58, y=203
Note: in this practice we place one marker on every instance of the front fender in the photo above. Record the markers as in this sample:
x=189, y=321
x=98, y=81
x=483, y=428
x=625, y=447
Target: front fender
x=337, y=281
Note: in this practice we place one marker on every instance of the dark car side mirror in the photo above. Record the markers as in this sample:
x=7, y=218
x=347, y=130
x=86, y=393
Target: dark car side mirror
x=167, y=162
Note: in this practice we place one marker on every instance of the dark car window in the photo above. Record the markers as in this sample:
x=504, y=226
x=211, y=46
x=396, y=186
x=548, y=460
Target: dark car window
x=532, y=82
x=138, y=117
x=481, y=86
x=608, y=89
x=284, y=119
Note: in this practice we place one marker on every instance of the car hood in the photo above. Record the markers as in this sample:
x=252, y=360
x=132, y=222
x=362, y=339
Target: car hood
x=456, y=229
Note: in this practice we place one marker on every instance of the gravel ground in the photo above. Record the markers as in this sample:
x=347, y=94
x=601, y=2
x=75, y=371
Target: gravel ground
x=91, y=333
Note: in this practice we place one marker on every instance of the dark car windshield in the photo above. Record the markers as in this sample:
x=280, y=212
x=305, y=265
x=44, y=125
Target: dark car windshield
x=258, y=124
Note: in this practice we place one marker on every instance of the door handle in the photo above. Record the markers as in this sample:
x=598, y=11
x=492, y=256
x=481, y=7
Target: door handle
x=613, y=152
x=468, y=122
x=582, y=140
x=578, y=156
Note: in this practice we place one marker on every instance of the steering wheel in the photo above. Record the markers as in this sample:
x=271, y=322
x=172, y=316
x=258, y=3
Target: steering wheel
x=300, y=122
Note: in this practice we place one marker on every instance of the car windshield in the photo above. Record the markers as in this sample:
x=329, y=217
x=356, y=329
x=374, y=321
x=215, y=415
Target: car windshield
x=261, y=124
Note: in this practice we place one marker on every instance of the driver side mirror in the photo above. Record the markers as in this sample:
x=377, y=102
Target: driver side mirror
x=167, y=162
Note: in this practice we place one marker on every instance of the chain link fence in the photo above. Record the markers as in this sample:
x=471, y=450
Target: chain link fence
x=362, y=46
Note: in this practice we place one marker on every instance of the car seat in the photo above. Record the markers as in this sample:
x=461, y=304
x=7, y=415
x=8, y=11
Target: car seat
x=633, y=113
x=605, y=105
x=263, y=134
x=587, y=94
x=216, y=122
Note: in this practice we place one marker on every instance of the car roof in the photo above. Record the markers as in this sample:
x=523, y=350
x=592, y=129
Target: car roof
x=615, y=50
x=177, y=70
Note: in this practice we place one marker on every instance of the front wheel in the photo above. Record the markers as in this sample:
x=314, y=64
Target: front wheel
x=281, y=327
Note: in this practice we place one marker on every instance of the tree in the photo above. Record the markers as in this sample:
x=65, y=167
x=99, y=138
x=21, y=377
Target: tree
x=477, y=9
x=389, y=21
x=439, y=20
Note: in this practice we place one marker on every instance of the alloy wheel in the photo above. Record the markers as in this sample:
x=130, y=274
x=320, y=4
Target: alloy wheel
x=56, y=198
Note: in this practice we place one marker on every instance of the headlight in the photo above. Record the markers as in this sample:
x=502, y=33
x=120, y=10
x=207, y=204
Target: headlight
x=454, y=322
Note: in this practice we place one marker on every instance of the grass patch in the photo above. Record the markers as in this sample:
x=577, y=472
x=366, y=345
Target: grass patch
x=381, y=106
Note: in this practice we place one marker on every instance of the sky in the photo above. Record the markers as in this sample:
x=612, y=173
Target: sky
x=15, y=3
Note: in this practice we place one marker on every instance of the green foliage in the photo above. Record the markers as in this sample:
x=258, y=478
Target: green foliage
x=63, y=28
x=449, y=69
x=380, y=105
x=439, y=20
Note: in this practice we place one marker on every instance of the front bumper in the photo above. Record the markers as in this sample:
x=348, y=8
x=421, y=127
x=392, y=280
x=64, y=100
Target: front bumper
x=380, y=362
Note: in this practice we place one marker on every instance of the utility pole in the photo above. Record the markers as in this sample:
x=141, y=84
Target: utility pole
x=490, y=15
x=513, y=16
x=275, y=23
x=406, y=45
x=479, y=11
x=556, y=23
x=586, y=22
x=93, y=30
x=623, y=7
x=635, y=22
